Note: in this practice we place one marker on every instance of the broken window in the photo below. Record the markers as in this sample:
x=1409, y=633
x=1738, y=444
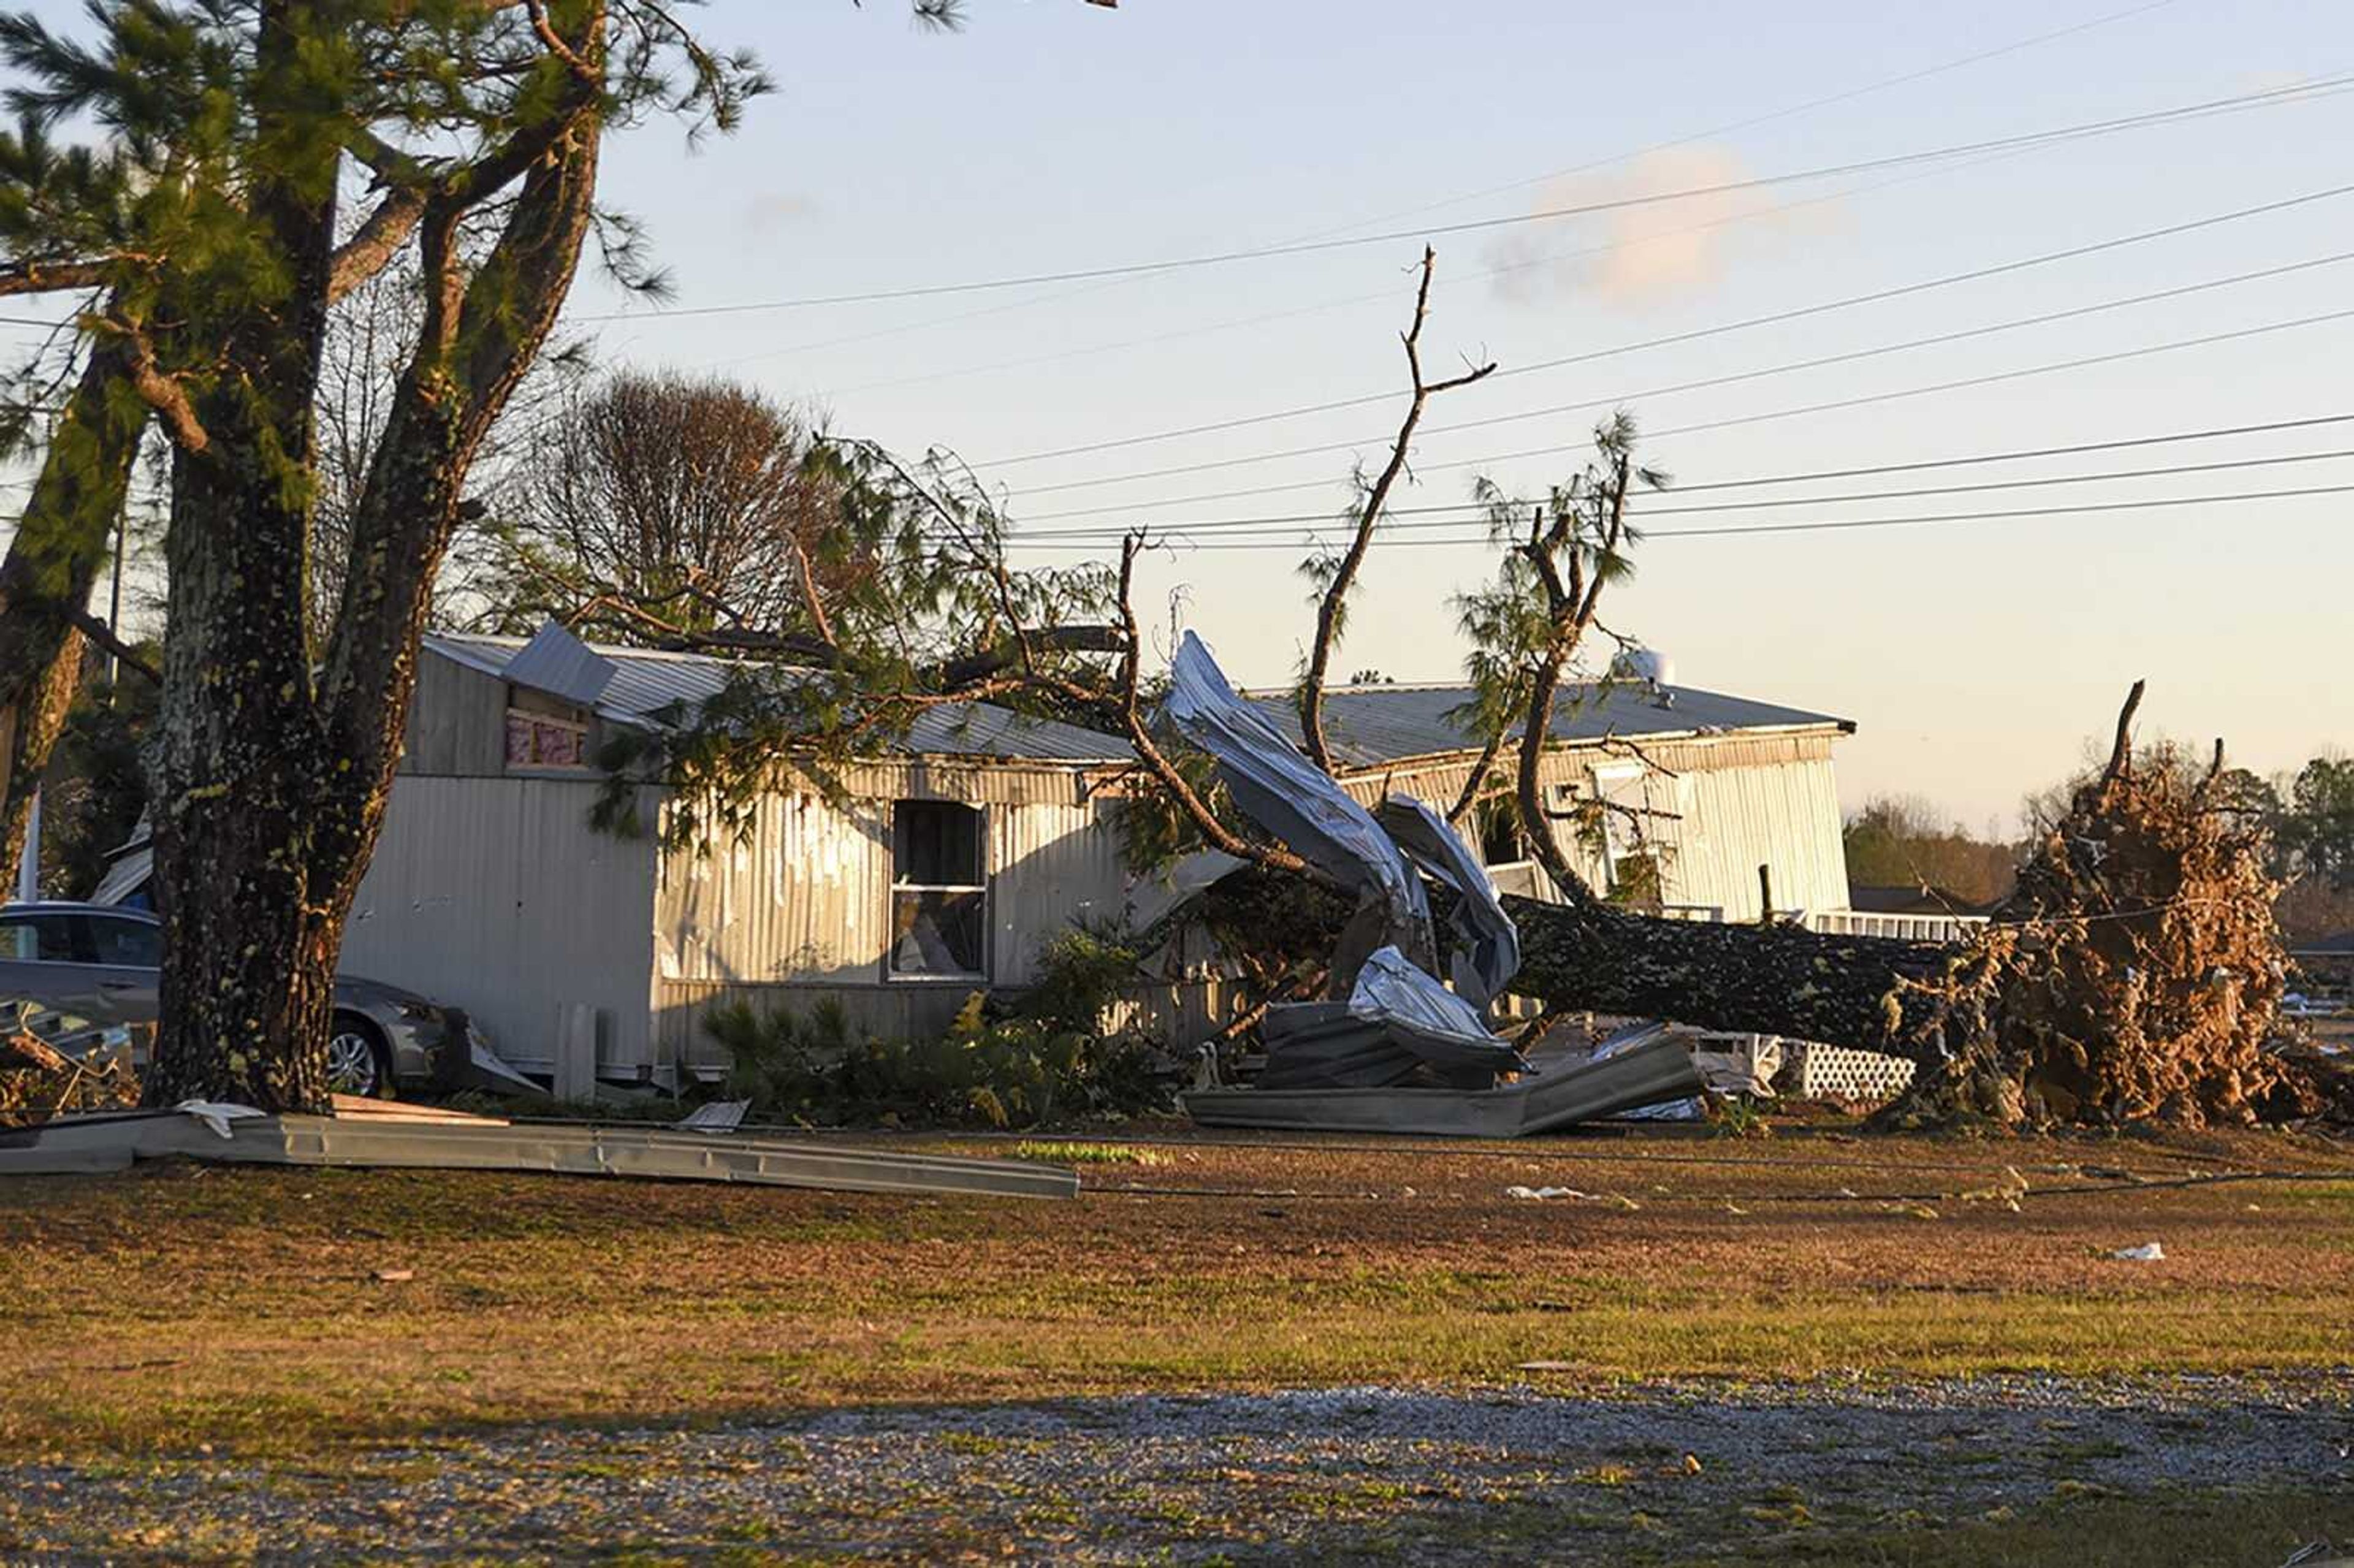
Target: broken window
x=1630, y=856
x=939, y=891
x=1501, y=843
x=542, y=732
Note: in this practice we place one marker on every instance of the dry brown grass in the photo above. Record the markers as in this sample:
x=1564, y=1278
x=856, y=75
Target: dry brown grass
x=181, y=1305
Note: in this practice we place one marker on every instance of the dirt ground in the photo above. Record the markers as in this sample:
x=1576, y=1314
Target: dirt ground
x=184, y=1330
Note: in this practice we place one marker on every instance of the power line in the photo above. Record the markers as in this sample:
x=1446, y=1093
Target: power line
x=932, y=324
x=1819, y=362
x=2015, y=455
x=2020, y=454
x=1454, y=515
x=1772, y=318
x=1848, y=525
x=1901, y=394
x=1726, y=129
x=1382, y=295
x=2271, y=96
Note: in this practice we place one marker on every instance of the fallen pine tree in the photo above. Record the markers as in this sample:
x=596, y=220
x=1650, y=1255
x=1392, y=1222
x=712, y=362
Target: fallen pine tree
x=2136, y=973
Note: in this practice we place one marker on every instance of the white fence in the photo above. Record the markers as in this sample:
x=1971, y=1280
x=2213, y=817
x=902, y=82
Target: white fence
x=1903, y=928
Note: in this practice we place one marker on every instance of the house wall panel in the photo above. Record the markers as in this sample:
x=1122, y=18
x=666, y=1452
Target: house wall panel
x=495, y=895
x=1736, y=803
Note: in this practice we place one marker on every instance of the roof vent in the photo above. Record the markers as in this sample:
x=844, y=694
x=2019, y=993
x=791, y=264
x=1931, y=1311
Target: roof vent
x=1651, y=667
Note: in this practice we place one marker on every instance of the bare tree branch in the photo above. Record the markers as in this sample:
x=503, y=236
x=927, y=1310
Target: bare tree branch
x=1330, y=607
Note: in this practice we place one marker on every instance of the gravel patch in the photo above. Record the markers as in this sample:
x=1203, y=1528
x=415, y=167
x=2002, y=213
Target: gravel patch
x=1514, y=1475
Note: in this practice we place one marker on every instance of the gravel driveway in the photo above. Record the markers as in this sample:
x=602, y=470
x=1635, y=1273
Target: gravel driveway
x=1511, y=1475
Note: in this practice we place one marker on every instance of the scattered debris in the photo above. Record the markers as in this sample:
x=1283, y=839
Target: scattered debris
x=448, y=1141
x=1557, y=1096
x=719, y=1116
x=1395, y=1050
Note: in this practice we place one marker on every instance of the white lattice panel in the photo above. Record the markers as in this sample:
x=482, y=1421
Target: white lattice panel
x=1838, y=1072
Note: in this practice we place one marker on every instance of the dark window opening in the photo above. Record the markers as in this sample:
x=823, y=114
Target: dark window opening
x=132, y=944
x=1500, y=840
x=939, y=891
x=47, y=938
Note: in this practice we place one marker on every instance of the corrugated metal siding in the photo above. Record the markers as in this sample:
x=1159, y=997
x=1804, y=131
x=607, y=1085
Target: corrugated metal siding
x=1054, y=865
x=1743, y=801
x=804, y=897
x=1783, y=815
x=802, y=907
x=497, y=895
x=457, y=722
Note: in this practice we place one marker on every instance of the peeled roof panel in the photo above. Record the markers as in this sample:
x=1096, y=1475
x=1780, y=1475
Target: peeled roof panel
x=560, y=664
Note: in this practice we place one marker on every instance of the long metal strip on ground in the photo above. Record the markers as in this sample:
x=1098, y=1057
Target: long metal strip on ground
x=76, y=1146
x=1648, y=1074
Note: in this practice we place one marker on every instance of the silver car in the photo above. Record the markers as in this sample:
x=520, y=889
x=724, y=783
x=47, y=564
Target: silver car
x=93, y=969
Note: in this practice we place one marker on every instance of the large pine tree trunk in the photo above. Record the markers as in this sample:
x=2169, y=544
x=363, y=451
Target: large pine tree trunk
x=248, y=953
x=53, y=562
x=249, y=950
x=1587, y=956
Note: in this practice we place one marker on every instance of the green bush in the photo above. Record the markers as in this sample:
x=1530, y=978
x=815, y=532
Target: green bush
x=1044, y=1056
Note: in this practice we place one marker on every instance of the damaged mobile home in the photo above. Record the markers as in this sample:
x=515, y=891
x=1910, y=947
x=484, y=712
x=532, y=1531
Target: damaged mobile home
x=943, y=867
x=940, y=871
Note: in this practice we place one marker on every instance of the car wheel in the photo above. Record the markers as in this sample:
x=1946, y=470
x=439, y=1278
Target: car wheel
x=357, y=1061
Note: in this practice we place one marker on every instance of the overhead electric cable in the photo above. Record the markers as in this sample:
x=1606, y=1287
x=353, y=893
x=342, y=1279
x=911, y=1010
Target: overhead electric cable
x=1695, y=334
x=1214, y=258
x=1730, y=379
x=932, y=324
x=1834, y=525
x=1460, y=513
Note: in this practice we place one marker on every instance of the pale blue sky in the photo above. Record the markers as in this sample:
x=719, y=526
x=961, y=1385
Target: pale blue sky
x=1975, y=658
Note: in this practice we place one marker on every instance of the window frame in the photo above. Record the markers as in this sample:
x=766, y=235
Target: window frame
x=553, y=715
x=93, y=927
x=1618, y=841
x=983, y=889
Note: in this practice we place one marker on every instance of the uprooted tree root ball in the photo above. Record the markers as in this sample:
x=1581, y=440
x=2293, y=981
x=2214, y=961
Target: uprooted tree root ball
x=2136, y=974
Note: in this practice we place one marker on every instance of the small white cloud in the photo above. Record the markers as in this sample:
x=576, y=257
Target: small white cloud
x=1654, y=252
x=777, y=208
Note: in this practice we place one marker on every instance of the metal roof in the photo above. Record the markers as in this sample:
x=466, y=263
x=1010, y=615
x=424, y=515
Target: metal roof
x=1372, y=727
x=646, y=682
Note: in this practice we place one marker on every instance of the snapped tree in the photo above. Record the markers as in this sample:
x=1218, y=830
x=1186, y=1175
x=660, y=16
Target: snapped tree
x=2124, y=984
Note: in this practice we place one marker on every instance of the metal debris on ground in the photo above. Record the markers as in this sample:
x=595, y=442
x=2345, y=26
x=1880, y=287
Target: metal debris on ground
x=719, y=1116
x=239, y=1135
x=1392, y=1050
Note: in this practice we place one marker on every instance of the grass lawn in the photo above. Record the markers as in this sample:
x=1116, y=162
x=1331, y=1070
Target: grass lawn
x=180, y=1306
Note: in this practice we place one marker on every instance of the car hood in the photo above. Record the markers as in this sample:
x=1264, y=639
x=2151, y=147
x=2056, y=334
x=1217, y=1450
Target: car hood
x=359, y=991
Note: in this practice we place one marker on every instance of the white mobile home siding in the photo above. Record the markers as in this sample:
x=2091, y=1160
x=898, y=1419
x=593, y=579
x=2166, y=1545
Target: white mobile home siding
x=799, y=910
x=497, y=895
x=1738, y=801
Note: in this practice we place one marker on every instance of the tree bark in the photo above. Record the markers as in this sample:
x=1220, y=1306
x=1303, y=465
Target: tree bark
x=248, y=952
x=1586, y=956
x=52, y=564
